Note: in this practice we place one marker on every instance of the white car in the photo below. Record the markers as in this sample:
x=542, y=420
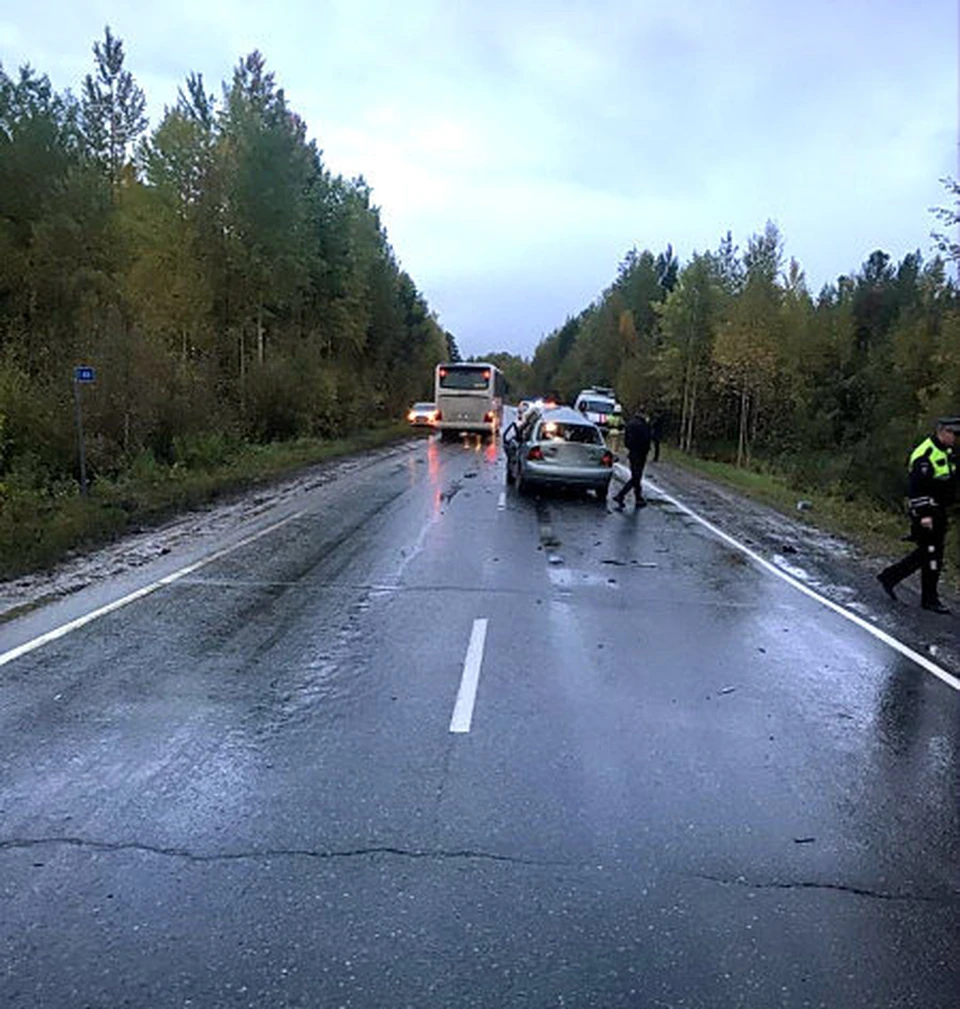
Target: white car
x=596, y=406
x=422, y=415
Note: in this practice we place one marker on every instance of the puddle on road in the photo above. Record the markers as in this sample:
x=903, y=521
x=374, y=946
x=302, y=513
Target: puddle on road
x=548, y=538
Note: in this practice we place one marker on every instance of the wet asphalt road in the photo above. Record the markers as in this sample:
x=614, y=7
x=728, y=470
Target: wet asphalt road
x=685, y=784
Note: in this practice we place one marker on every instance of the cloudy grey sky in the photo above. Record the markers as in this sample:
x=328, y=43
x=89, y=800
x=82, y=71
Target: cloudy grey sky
x=519, y=149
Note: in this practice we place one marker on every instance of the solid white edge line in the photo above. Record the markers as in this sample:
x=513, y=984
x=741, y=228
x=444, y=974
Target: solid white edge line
x=898, y=646
x=467, y=695
x=73, y=625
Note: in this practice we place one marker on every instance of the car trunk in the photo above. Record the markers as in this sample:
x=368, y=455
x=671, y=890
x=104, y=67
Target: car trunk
x=574, y=454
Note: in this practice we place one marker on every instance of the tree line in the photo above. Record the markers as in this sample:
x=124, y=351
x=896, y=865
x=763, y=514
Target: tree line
x=743, y=362
x=224, y=283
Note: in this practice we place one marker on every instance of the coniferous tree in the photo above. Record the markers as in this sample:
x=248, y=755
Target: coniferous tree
x=112, y=108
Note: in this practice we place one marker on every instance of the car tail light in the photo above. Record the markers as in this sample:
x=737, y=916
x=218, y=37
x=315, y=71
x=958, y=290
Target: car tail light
x=434, y=415
x=603, y=418
x=437, y=415
x=488, y=417
x=607, y=459
x=536, y=453
x=411, y=415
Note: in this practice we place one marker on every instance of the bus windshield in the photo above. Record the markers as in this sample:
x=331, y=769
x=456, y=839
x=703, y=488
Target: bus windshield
x=465, y=379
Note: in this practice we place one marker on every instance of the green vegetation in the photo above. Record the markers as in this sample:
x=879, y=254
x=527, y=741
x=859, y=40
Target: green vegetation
x=231, y=293
x=744, y=366
x=37, y=530
x=875, y=529
x=229, y=290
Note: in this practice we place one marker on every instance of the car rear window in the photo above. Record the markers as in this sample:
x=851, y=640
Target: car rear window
x=583, y=434
x=423, y=406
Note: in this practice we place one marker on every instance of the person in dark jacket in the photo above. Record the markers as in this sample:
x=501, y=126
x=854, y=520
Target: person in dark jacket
x=656, y=434
x=636, y=438
x=932, y=481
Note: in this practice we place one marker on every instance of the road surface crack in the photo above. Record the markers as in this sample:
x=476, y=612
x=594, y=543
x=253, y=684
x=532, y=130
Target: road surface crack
x=858, y=891
x=439, y=854
x=442, y=784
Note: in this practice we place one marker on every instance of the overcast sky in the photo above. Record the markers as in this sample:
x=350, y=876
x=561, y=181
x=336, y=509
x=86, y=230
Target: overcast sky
x=519, y=149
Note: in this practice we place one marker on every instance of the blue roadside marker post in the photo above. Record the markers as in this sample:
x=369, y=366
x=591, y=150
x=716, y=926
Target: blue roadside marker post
x=82, y=375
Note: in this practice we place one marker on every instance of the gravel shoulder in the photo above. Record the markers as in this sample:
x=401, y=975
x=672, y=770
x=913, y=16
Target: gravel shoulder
x=210, y=523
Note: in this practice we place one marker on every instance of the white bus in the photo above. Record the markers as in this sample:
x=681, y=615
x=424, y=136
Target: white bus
x=468, y=397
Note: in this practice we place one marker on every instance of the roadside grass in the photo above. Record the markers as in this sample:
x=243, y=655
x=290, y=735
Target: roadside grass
x=38, y=529
x=875, y=530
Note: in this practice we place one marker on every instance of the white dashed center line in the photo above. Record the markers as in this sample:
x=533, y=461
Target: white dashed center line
x=463, y=709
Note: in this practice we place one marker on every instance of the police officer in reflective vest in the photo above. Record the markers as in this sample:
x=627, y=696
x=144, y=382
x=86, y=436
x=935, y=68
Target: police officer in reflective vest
x=931, y=489
x=615, y=428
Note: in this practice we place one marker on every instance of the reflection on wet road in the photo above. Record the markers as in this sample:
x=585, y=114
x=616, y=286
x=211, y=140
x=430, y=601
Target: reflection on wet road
x=429, y=743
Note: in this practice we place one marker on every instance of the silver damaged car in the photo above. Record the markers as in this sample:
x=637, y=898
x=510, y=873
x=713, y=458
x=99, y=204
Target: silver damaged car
x=560, y=448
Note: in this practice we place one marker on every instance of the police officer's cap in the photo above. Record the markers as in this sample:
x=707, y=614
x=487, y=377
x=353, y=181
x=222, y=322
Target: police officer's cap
x=949, y=424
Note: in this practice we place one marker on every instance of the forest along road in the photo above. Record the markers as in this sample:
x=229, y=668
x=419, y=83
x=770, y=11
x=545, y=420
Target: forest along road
x=412, y=740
